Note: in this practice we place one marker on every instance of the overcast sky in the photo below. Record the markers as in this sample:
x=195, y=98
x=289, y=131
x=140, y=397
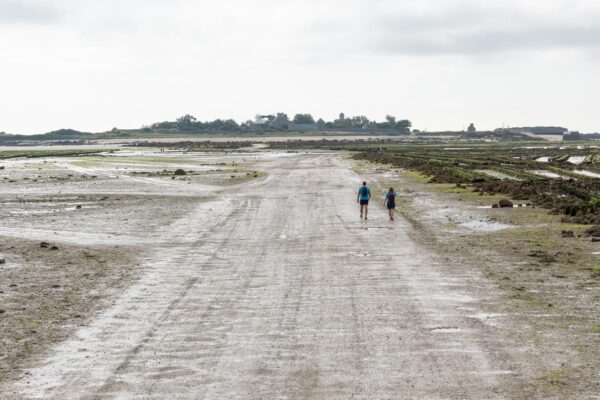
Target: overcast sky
x=93, y=65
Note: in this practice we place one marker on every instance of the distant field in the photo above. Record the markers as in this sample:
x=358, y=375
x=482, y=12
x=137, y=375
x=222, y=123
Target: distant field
x=31, y=153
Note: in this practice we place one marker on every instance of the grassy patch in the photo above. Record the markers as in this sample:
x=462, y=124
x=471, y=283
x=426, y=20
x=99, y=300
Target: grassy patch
x=7, y=154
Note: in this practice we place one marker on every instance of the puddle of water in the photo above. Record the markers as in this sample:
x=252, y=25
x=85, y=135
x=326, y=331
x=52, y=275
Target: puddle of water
x=496, y=174
x=29, y=212
x=543, y=159
x=521, y=205
x=548, y=174
x=485, y=226
x=589, y=174
x=483, y=316
x=446, y=330
x=576, y=159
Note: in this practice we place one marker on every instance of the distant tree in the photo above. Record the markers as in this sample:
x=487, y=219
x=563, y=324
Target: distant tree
x=391, y=120
x=164, y=125
x=229, y=125
x=404, y=125
x=471, y=128
x=304, y=119
x=320, y=121
x=187, y=122
x=359, y=120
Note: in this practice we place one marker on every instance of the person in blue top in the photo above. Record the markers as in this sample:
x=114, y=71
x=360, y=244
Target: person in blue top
x=390, y=202
x=363, y=197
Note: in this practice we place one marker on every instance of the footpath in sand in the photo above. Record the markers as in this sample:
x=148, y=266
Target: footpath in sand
x=277, y=290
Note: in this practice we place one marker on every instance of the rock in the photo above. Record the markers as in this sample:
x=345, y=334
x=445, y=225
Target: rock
x=504, y=203
x=568, y=234
x=2, y=261
x=593, y=231
x=595, y=239
x=44, y=245
x=2, y=311
x=179, y=172
x=54, y=248
x=495, y=205
x=78, y=207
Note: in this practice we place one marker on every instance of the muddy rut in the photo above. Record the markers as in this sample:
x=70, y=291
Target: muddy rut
x=277, y=290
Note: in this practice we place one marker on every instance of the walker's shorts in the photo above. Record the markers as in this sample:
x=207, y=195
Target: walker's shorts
x=364, y=202
x=391, y=205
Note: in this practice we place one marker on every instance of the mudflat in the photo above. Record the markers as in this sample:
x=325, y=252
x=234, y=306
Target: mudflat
x=252, y=276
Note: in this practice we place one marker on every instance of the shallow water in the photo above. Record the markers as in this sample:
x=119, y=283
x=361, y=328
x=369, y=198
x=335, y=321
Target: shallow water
x=485, y=226
x=548, y=174
x=576, y=159
x=589, y=174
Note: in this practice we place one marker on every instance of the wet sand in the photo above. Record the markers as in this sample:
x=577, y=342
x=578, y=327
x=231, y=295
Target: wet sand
x=272, y=287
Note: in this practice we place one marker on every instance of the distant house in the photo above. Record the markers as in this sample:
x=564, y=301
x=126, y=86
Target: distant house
x=342, y=122
x=369, y=126
x=260, y=120
x=281, y=121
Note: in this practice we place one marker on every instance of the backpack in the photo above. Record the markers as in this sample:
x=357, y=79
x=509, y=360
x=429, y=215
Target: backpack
x=391, y=197
x=364, y=192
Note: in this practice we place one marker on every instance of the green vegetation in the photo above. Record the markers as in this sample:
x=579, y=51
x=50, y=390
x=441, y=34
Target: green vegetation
x=7, y=154
x=462, y=162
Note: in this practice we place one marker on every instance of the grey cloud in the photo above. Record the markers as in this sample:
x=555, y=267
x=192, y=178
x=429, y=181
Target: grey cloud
x=472, y=30
x=23, y=11
x=486, y=41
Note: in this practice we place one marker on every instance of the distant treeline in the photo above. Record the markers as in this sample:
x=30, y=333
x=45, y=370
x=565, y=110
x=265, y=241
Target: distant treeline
x=281, y=122
x=190, y=125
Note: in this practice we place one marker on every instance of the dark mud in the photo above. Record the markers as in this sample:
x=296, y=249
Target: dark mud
x=49, y=289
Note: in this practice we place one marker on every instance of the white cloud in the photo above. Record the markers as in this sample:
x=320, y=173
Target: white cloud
x=443, y=63
x=27, y=11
